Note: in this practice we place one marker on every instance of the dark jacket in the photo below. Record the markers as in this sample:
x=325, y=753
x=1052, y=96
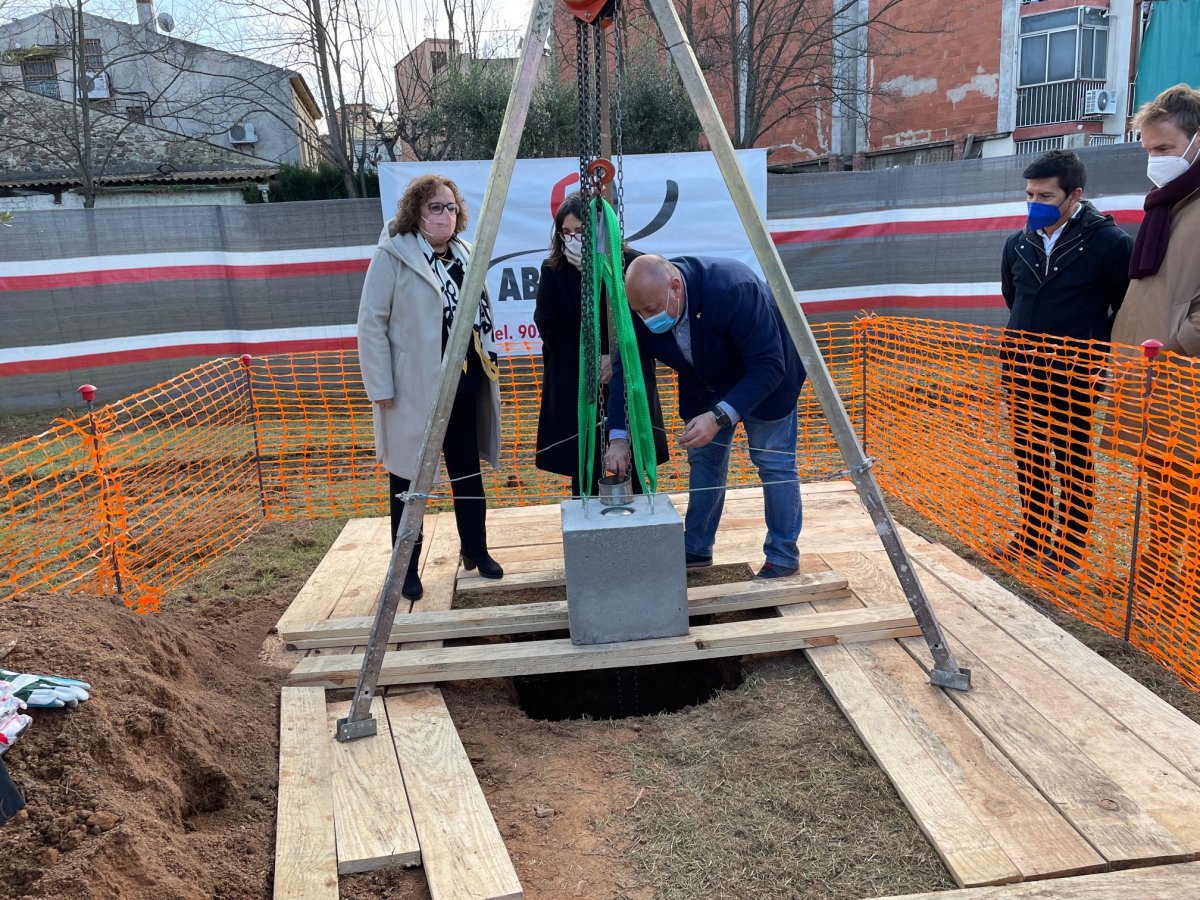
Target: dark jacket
x=1077, y=291
x=741, y=351
x=558, y=316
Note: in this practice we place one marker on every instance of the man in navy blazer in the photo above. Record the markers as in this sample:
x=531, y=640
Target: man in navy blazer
x=715, y=323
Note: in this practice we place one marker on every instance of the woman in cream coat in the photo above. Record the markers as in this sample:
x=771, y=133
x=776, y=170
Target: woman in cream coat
x=404, y=317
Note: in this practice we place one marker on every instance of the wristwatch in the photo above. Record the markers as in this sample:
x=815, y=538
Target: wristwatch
x=723, y=419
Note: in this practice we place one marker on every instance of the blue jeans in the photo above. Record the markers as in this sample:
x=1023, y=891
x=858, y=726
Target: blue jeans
x=773, y=452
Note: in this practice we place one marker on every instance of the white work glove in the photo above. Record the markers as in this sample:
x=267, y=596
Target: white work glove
x=46, y=691
x=12, y=720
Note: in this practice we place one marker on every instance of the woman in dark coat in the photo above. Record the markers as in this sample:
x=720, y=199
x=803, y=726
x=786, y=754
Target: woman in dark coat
x=559, y=316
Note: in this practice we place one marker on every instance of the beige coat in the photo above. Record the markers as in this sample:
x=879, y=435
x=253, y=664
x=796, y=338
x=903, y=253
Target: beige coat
x=399, y=350
x=1166, y=305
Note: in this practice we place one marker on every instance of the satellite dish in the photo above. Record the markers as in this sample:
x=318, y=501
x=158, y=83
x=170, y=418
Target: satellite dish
x=166, y=22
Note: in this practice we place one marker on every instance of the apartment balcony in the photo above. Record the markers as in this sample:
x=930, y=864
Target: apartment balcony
x=1050, y=104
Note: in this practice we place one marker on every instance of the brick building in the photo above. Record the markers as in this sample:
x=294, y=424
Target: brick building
x=918, y=81
x=979, y=78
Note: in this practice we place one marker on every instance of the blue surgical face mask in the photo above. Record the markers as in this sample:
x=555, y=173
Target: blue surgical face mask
x=661, y=322
x=1042, y=215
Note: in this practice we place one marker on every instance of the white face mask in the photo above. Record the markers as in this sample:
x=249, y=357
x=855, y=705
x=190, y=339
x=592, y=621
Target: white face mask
x=1163, y=170
x=573, y=249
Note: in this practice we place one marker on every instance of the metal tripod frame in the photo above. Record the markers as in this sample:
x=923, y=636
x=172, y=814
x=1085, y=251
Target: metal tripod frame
x=945, y=672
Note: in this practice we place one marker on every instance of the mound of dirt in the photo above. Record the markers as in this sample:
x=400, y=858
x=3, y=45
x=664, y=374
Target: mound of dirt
x=163, y=784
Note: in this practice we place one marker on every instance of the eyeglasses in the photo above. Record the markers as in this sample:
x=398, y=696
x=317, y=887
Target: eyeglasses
x=437, y=208
x=571, y=232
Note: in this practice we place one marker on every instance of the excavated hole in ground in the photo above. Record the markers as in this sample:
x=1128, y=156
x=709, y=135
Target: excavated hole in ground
x=625, y=692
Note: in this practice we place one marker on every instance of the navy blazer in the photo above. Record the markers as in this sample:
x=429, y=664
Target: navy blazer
x=741, y=351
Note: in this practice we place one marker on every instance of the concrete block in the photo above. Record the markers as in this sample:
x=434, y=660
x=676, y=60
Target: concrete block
x=626, y=578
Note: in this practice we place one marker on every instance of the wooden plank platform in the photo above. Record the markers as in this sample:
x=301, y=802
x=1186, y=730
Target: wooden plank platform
x=987, y=822
x=540, y=657
x=1054, y=766
x=1177, y=882
x=524, y=618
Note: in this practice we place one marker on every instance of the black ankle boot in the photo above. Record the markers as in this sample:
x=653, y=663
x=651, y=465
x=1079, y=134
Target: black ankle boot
x=488, y=567
x=413, y=589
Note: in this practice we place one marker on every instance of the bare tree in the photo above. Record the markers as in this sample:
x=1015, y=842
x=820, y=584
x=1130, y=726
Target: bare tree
x=135, y=76
x=776, y=59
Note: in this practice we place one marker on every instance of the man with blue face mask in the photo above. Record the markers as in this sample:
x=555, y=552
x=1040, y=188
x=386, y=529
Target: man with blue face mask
x=716, y=324
x=1063, y=278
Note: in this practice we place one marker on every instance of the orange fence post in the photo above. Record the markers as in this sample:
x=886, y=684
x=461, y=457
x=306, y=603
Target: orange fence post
x=859, y=354
x=262, y=494
x=88, y=393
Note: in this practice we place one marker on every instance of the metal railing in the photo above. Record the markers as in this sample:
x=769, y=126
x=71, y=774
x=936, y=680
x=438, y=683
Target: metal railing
x=1039, y=145
x=1103, y=140
x=1049, y=104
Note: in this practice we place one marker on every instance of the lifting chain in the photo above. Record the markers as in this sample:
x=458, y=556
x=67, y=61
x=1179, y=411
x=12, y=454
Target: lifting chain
x=596, y=172
x=589, y=136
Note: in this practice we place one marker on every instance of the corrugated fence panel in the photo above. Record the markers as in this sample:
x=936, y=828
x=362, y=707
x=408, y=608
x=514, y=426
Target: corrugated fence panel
x=127, y=298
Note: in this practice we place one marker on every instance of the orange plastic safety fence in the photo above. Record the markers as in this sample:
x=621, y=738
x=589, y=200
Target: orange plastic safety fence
x=132, y=500
x=1070, y=464
x=1073, y=466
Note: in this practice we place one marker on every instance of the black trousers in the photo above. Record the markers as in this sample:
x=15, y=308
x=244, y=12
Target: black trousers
x=460, y=450
x=1052, y=438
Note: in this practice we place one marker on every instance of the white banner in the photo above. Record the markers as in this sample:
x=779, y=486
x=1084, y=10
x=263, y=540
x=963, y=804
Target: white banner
x=676, y=204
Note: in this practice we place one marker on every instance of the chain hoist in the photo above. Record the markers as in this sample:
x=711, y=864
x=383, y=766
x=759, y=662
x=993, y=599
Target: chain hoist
x=598, y=175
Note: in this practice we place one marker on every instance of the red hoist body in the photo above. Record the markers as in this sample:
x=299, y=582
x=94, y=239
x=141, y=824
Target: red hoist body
x=591, y=10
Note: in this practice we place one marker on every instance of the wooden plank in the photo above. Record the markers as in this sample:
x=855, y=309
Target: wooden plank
x=1032, y=833
x=362, y=591
x=440, y=567
x=733, y=547
x=305, y=855
x=1037, y=840
x=527, y=557
x=1170, y=732
x=970, y=852
x=461, y=848
x=1175, y=882
x=532, y=657
x=1158, y=788
x=1070, y=749
x=373, y=824
x=552, y=615
x=554, y=576
x=329, y=579
x=751, y=526
x=752, y=493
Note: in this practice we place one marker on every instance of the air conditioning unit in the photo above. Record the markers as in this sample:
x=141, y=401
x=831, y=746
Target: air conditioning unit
x=242, y=134
x=1099, y=102
x=97, y=86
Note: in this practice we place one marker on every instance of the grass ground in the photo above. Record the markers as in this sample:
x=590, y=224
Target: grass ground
x=18, y=426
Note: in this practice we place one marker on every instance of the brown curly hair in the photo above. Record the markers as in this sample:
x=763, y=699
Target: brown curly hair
x=408, y=210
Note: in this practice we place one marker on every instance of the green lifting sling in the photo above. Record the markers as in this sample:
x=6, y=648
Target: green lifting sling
x=606, y=279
